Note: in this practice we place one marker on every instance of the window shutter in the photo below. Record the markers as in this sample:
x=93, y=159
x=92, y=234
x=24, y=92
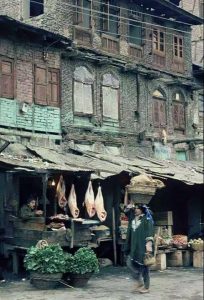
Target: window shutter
x=156, y=113
x=7, y=84
x=53, y=88
x=78, y=97
x=105, y=17
x=176, y=115
x=40, y=85
x=110, y=102
x=162, y=113
x=78, y=15
x=88, y=101
x=181, y=116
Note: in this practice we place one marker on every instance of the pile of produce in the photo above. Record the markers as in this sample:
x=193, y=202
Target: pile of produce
x=180, y=241
x=196, y=244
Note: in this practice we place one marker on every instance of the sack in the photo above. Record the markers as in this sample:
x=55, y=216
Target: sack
x=149, y=260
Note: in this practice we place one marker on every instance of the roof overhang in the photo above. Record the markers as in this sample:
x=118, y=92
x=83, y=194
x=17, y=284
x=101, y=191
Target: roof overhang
x=18, y=158
x=11, y=26
x=170, y=10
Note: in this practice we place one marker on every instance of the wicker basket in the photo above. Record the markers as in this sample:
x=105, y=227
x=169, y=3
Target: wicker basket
x=198, y=247
x=45, y=281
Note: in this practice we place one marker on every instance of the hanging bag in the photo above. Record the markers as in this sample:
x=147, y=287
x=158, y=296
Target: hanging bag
x=150, y=259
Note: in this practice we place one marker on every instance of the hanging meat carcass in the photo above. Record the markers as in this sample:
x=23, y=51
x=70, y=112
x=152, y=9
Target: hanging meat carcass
x=99, y=205
x=72, y=203
x=60, y=193
x=89, y=201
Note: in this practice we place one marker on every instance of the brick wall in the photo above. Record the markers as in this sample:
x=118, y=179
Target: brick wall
x=79, y=130
x=35, y=118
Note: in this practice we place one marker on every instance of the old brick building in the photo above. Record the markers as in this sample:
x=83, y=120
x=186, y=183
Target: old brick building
x=127, y=77
x=122, y=86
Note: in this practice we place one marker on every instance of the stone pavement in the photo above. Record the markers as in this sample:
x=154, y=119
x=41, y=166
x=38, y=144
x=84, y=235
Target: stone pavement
x=115, y=283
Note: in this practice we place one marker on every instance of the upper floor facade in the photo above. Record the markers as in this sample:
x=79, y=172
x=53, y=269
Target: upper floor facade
x=156, y=34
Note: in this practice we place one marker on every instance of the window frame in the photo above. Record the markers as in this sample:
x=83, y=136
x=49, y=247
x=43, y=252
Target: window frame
x=80, y=113
x=47, y=101
x=158, y=51
x=10, y=61
x=179, y=104
x=118, y=100
x=176, y=47
x=79, y=13
x=158, y=100
x=106, y=6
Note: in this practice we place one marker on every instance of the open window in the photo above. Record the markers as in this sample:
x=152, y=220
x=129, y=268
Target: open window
x=33, y=8
x=110, y=17
x=82, y=15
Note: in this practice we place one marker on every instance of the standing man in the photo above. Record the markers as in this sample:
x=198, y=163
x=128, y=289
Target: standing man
x=139, y=241
x=30, y=210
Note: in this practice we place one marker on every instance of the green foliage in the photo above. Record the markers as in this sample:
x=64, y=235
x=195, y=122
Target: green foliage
x=49, y=259
x=83, y=261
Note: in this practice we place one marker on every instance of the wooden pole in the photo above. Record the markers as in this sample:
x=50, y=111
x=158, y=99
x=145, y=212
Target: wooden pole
x=114, y=237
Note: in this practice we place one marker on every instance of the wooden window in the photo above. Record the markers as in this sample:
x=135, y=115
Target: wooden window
x=53, y=87
x=110, y=44
x=158, y=41
x=135, y=33
x=83, y=102
x=83, y=91
x=6, y=78
x=110, y=96
x=159, y=109
x=179, y=112
x=178, y=47
x=46, y=86
x=110, y=17
x=178, y=55
x=82, y=15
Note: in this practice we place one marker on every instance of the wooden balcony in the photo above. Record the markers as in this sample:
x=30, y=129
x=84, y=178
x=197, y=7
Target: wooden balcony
x=82, y=36
x=110, y=44
x=178, y=66
x=159, y=60
x=135, y=52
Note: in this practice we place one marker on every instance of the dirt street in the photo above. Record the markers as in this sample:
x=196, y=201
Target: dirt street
x=115, y=283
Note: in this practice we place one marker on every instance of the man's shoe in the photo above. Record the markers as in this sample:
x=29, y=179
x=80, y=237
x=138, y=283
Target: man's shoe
x=138, y=287
x=144, y=290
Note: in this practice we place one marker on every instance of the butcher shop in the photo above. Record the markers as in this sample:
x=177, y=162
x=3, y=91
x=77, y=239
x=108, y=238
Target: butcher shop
x=79, y=200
